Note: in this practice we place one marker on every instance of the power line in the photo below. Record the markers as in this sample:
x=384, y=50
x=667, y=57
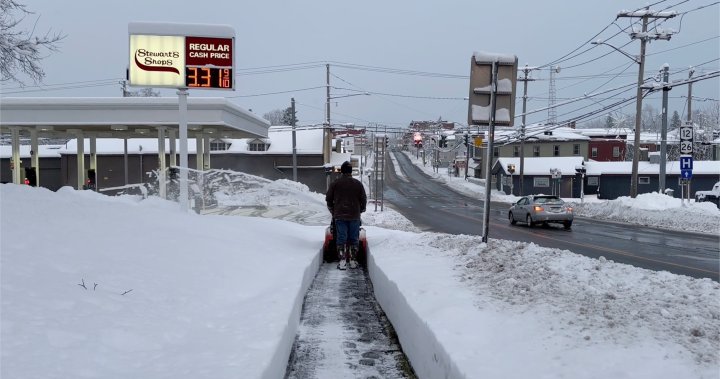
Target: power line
x=563, y=58
x=277, y=92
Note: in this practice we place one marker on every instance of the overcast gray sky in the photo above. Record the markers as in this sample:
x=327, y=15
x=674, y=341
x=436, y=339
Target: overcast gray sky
x=413, y=56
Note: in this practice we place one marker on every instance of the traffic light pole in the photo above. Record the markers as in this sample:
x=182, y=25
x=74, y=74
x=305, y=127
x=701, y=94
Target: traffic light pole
x=525, y=81
x=294, y=147
x=488, y=160
x=663, y=132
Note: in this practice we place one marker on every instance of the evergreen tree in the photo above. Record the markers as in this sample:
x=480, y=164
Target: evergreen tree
x=675, y=121
x=609, y=123
x=287, y=116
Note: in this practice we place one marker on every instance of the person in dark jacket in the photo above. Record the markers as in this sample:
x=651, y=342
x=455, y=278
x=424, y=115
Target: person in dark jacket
x=346, y=200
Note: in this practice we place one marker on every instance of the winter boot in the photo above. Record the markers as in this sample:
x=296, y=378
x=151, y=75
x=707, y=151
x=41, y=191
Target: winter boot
x=342, y=257
x=353, y=256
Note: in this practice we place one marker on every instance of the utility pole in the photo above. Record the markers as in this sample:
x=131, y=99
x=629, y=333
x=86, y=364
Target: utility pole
x=689, y=118
x=326, y=129
x=326, y=134
x=525, y=80
x=644, y=36
x=663, y=133
x=689, y=103
x=123, y=84
x=294, y=145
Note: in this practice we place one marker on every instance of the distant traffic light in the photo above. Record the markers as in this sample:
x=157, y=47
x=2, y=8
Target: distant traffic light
x=90, y=182
x=30, y=177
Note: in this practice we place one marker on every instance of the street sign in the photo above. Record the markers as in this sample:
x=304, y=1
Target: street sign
x=686, y=163
x=686, y=147
x=686, y=174
x=686, y=139
x=686, y=133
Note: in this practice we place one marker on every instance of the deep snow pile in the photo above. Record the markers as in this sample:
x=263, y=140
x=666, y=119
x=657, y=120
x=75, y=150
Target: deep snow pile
x=292, y=201
x=657, y=210
x=594, y=299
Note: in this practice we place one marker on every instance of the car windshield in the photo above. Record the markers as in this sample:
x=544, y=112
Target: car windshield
x=549, y=200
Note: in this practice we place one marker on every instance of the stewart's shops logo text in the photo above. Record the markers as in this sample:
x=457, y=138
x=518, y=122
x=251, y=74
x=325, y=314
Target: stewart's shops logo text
x=156, y=60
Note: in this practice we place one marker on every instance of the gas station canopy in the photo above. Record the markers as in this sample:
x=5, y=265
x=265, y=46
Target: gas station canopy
x=128, y=117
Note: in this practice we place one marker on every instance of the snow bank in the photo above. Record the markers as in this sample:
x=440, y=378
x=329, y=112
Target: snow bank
x=167, y=294
x=490, y=306
x=656, y=210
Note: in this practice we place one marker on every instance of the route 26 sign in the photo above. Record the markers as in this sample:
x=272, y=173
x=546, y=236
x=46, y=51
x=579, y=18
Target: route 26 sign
x=686, y=140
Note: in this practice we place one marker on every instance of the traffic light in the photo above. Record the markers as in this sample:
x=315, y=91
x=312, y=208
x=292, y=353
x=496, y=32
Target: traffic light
x=90, y=183
x=581, y=169
x=481, y=88
x=30, y=177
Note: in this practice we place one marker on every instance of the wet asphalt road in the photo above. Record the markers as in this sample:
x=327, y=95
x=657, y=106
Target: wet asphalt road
x=432, y=206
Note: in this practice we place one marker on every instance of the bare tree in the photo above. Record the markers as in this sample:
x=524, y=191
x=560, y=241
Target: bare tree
x=275, y=116
x=21, y=51
x=143, y=92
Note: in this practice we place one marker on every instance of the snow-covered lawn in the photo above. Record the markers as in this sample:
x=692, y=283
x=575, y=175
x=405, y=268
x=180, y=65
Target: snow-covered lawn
x=220, y=296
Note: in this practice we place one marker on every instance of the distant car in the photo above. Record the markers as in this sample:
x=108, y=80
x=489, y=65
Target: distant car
x=712, y=195
x=541, y=209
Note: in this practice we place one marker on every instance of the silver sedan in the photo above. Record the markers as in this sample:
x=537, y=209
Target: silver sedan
x=541, y=209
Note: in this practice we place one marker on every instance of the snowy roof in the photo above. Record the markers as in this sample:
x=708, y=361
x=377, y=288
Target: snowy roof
x=307, y=141
x=647, y=168
x=111, y=146
x=542, y=166
x=604, y=132
x=566, y=165
x=537, y=132
x=44, y=151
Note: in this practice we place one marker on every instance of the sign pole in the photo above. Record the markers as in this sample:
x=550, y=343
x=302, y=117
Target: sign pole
x=489, y=155
x=182, y=103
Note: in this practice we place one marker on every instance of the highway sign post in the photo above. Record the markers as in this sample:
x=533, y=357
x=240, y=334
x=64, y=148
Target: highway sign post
x=686, y=160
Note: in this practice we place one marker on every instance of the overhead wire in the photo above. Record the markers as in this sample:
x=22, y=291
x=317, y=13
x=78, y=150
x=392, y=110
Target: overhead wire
x=567, y=56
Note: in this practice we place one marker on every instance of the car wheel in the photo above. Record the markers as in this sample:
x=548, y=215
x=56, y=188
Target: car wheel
x=567, y=224
x=512, y=218
x=529, y=221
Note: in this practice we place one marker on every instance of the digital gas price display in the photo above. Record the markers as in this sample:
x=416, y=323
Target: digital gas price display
x=181, y=61
x=208, y=62
x=208, y=77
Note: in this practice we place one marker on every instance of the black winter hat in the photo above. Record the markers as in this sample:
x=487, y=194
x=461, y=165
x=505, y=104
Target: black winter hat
x=346, y=168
